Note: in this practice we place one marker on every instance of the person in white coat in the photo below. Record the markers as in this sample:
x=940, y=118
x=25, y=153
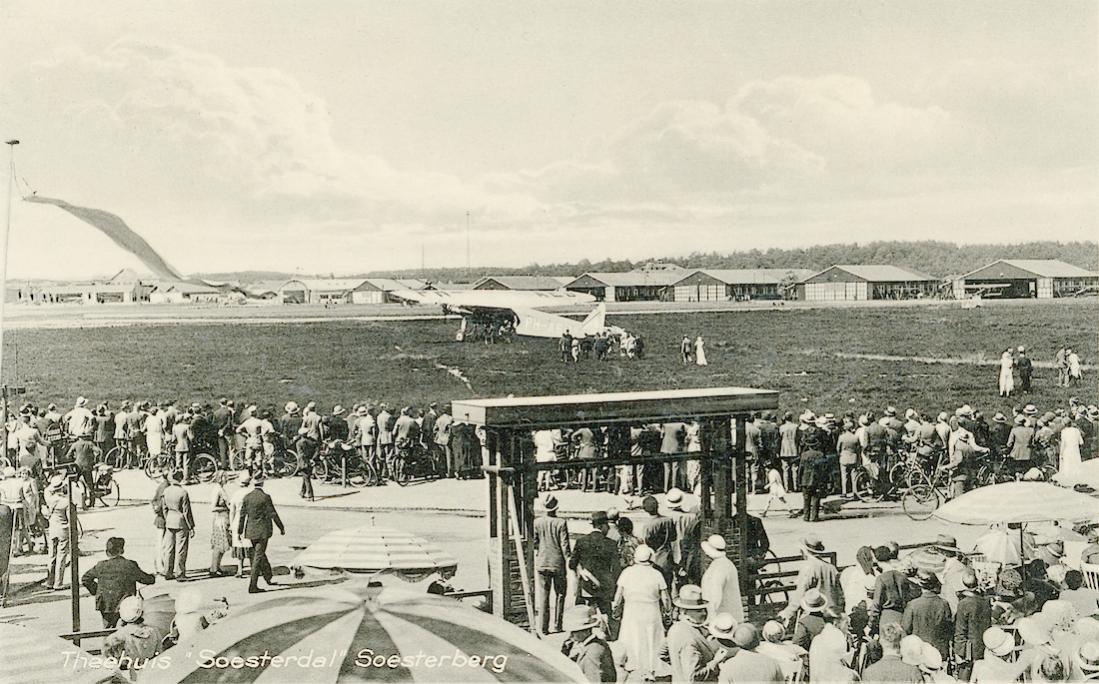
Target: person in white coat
x=1007, y=377
x=700, y=351
x=720, y=582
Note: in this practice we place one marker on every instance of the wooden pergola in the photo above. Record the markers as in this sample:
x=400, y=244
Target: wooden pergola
x=508, y=452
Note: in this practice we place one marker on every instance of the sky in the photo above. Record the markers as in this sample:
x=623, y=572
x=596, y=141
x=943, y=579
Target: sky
x=342, y=137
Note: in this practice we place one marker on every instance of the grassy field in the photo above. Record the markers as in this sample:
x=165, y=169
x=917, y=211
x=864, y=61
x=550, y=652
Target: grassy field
x=810, y=355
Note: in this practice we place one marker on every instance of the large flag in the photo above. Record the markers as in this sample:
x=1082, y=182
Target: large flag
x=119, y=233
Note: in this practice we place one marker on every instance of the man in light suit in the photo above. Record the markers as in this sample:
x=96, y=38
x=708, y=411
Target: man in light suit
x=692, y=655
x=179, y=527
x=257, y=514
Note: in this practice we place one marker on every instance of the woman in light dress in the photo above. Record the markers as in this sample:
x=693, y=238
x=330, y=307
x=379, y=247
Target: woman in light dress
x=1071, y=468
x=700, y=351
x=154, y=433
x=240, y=544
x=1007, y=378
x=221, y=537
x=644, y=597
x=694, y=468
x=1075, y=373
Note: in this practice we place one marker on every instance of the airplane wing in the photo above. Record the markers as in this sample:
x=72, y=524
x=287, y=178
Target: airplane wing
x=493, y=299
x=533, y=323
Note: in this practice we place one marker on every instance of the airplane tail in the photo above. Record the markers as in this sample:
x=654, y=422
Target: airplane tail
x=596, y=320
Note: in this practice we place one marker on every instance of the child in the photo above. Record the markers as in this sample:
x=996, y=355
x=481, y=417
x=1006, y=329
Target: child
x=776, y=490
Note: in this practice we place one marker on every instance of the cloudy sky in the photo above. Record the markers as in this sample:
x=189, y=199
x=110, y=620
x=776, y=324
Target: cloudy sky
x=346, y=136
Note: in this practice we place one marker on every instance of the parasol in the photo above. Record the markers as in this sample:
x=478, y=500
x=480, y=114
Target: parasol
x=159, y=611
x=373, y=549
x=34, y=656
x=999, y=546
x=366, y=634
x=1018, y=502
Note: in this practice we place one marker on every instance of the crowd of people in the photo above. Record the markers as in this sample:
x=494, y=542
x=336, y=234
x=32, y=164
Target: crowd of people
x=1014, y=362
x=600, y=346
x=656, y=600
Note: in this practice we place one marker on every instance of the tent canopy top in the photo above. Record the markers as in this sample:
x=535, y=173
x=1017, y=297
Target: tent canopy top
x=533, y=413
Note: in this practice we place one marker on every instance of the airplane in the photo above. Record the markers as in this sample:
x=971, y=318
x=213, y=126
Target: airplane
x=516, y=310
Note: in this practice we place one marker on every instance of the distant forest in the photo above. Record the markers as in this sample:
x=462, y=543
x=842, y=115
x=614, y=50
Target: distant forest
x=940, y=259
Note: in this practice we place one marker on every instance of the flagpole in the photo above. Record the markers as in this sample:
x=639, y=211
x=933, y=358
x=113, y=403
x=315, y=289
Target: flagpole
x=4, y=258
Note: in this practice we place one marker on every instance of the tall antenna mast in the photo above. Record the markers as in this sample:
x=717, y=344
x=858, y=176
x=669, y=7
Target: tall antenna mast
x=4, y=255
x=468, y=269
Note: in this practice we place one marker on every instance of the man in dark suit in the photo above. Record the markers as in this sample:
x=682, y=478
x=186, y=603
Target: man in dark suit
x=257, y=513
x=595, y=562
x=590, y=653
x=551, y=552
x=114, y=579
x=84, y=454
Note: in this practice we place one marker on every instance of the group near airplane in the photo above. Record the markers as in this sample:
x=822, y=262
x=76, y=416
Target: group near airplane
x=522, y=309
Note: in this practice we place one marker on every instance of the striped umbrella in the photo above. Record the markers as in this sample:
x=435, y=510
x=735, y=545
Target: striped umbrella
x=1019, y=502
x=364, y=634
x=34, y=656
x=372, y=549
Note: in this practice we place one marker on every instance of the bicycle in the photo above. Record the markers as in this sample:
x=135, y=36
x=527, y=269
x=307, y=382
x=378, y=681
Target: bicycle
x=334, y=456
x=105, y=488
x=871, y=489
x=412, y=462
x=123, y=456
x=926, y=493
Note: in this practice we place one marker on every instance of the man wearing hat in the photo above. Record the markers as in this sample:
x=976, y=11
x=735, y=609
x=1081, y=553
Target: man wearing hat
x=811, y=622
x=257, y=515
x=1026, y=370
x=998, y=432
x=815, y=573
x=1086, y=660
x=596, y=564
x=551, y=553
x=222, y=424
x=691, y=654
x=748, y=665
x=427, y=436
x=686, y=551
x=80, y=421
x=720, y=582
x=112, y=580
x=1020, y=443
x=994, y=665
x=184, y=439
x=83, y=454
x=590, y=653
x=309, y=439
x=57, y=514
x=928, y=616
x=660, y=534
x=973, y=617
x=365, y=434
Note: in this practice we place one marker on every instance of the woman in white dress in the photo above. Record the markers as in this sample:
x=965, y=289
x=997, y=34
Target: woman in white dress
x=694, y=468
x=236, y=503
x=1075, y=373
x=1071, y=465
x=644, y=597
x=154, y=433
x=1007, y=378
x=700, y=351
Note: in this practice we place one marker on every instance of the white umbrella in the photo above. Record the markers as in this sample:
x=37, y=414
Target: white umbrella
x=34, y=656
x=1019, y=502
x=373, y=549
x=999, y=546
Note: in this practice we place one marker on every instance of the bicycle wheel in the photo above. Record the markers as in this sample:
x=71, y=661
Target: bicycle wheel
x=112, y=494
x=115, y=458
x=285, y=465
x=920, y=502
x=401, y=474
x=204, y=467
x=866, y=487
x=898, y=475
x=152, y=464
x=320, y=469
x=918, y=477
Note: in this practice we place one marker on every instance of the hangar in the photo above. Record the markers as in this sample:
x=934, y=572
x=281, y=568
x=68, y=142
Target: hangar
x=1027, y=279
x=865, y=282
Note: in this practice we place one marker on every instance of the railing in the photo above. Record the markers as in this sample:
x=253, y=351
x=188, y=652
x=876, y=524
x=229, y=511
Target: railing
x=484, y=593
x=77, y=637
x=757, y=581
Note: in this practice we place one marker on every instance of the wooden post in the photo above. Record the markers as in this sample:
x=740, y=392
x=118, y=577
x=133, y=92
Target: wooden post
x=74, y=557
x=741, y=479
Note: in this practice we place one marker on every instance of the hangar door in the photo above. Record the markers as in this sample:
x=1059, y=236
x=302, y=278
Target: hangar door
x=835, y=291
x=699, y=293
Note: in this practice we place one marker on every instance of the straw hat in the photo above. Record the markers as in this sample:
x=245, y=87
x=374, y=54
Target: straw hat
x=946, y=542
x=550, y=502
x=999, y=417
x=643, y=554
x=1030, y=410
x=813, y=601
x=1087, y=656
x=722, y=626
x=338, y=410
x=998, y=641
x=578, y=618
x=674, y=499
x=932, y=660
x=690, y=598
x=714, y=546
x=912, y=650
x=813, y=544
x=130, y=609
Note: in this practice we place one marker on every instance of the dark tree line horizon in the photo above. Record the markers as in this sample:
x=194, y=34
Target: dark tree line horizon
x=932, y=257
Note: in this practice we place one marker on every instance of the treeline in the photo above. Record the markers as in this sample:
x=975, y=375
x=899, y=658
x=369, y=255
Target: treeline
x=934, y=258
